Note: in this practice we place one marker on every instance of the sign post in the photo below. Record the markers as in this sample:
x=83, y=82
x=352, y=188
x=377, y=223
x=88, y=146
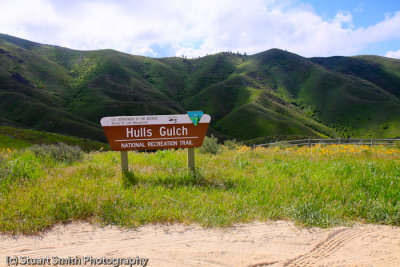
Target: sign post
x=124, y=161
x=154, y=132
x=190, y=159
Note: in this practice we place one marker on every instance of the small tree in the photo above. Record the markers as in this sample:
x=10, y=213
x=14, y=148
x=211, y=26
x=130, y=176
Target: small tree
x=210, y=145
x=232, y=144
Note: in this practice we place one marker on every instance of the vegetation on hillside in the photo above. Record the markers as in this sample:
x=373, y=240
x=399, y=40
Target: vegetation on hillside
x=272, y=93
x=17, y=138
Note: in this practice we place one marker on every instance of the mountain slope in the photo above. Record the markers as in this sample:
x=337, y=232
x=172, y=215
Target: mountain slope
x=267, y=94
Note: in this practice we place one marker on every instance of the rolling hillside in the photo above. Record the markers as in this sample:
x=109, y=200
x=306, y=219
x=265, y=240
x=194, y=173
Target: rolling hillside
x=272, y=93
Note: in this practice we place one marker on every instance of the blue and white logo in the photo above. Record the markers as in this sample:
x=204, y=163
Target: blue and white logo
x=195, y=116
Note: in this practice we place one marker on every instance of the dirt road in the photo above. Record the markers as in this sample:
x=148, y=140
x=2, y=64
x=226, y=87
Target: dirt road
x=277, y=243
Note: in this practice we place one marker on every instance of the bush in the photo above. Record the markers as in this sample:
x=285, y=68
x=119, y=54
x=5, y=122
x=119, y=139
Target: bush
x=210, y=145
x=397, y=144
x=232, y=144
x=281, y=145
x=60, y=153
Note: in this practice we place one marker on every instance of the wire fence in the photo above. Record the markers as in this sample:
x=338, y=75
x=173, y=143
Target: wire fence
x=347, y=141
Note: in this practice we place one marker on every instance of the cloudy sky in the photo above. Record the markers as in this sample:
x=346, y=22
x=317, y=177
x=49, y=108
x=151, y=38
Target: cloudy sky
x=159, y=28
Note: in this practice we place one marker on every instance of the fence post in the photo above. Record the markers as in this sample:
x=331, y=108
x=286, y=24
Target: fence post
x=372, y=142
x=309, y=142
x=340, y=140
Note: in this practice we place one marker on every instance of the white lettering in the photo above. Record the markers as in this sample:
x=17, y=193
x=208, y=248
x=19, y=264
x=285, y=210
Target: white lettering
x=162, y=143
x=141, y=132
x=185, y=142
x=174, y=131
x=132, y=145
x=129, y=132
x=162, y=130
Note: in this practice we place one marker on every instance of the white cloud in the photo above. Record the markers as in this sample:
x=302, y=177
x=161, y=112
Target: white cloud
x=25, y=18
x=344, y=18
x=193, y=28
x=393, y=54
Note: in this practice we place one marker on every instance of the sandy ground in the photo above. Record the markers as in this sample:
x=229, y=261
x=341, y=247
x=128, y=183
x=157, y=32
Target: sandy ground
x=277, y=243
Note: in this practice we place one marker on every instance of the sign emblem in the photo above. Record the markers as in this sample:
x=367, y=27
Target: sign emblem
x=195, y=116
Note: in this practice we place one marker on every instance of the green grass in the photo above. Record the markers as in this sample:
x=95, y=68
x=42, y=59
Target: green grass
x=312, y=188
x=17, y=138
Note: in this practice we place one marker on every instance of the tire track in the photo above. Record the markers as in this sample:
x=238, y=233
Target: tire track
x=331, y=244
x=322, y=250
x=263, y=264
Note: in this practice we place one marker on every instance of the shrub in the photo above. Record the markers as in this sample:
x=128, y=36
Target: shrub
x=210, y=145
x=397, y=144
x=232, y=144
x=60, y=152
x=281, y=145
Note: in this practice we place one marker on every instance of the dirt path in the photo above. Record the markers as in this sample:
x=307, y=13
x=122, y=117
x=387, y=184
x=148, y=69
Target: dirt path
x=258, y=244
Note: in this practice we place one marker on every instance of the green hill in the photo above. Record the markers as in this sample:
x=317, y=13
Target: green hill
x=272, y=93
x=17, y=138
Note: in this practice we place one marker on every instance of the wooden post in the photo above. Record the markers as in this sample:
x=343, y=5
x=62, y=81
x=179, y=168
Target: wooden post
x=124, y=161
x=309, y=142
x=190, y=159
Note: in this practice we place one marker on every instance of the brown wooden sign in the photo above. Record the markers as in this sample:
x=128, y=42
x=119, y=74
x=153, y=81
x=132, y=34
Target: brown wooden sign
x=154, y=132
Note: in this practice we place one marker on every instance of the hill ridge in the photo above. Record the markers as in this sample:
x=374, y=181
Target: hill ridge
x=271, y=93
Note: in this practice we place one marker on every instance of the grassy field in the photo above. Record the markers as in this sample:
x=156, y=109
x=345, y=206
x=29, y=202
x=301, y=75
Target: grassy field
x=321, y=186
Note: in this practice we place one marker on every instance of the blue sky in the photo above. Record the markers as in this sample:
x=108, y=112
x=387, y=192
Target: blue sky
x=160, y=28
x=364, y=14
